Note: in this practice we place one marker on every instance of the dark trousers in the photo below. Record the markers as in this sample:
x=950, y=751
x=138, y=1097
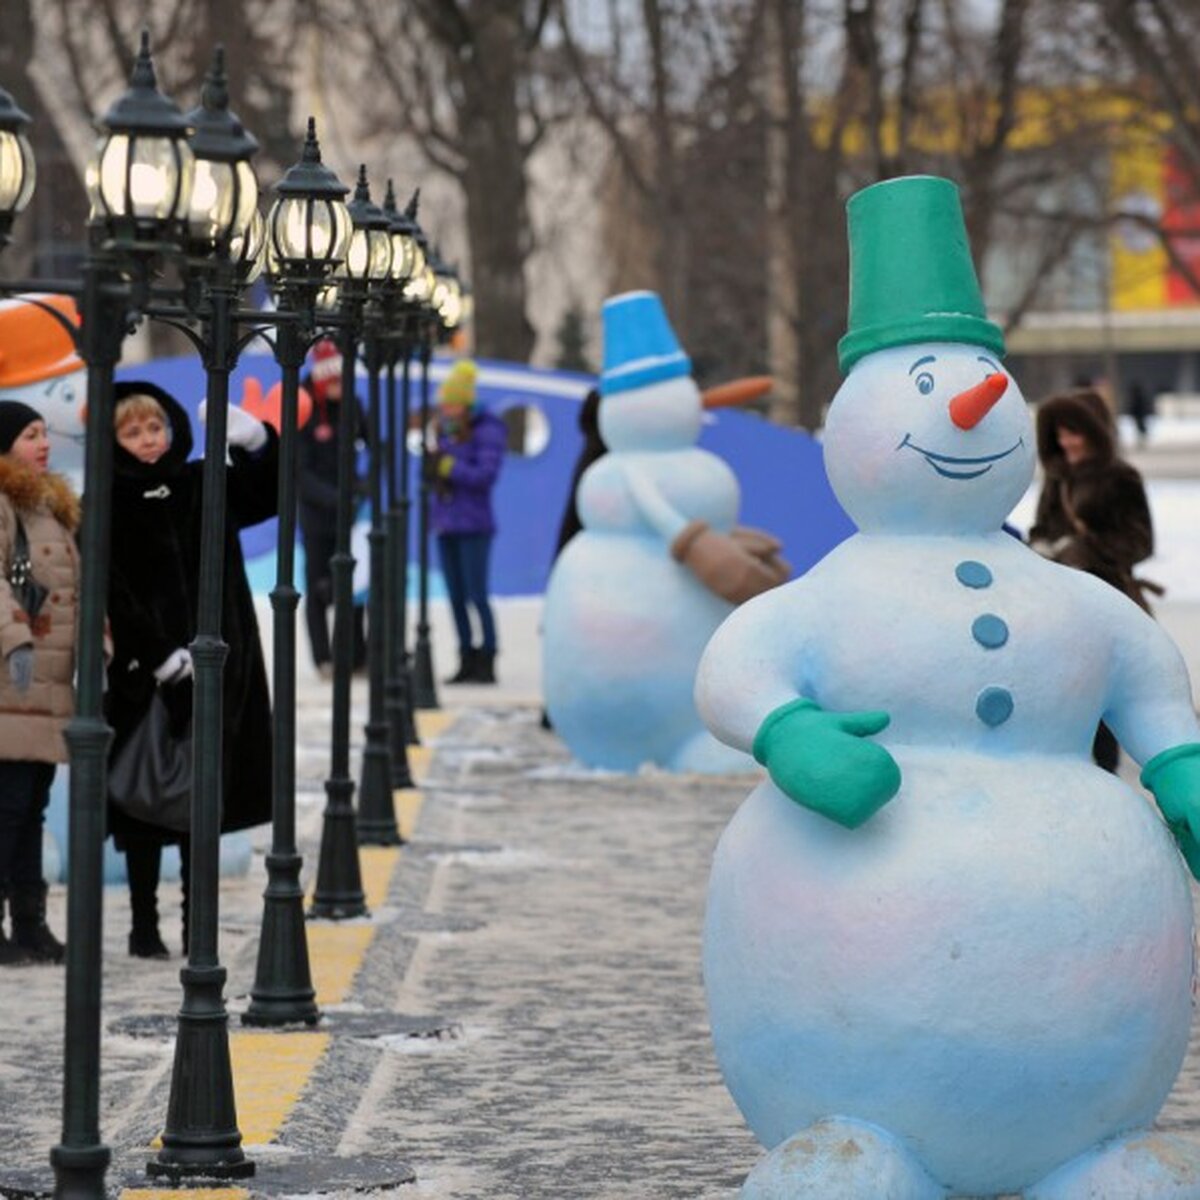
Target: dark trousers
x=464, y=559
x=24, y=797
x=143, y=864
x=319, y=545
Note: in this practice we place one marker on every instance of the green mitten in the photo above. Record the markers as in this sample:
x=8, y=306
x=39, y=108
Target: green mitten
x=820, y=760
x=1173, y=778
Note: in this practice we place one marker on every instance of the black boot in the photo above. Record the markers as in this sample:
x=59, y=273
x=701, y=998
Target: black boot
x=11, y=955
x=466, y=668
x=142, y=862
x=30, y=931
x=484, y=667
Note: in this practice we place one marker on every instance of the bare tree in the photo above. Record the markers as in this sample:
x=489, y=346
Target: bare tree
x=465, y=80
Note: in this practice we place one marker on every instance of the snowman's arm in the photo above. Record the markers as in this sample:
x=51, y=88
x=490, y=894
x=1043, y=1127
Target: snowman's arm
x=1150, y=698
x=652, y=506
x=753, y=664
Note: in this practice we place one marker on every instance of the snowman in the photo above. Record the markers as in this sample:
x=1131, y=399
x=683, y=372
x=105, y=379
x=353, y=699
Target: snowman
x=626, y=617
x=944, y=953
x=39, y=366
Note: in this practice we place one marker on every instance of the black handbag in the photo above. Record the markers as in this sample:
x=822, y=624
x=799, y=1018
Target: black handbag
x=29, y=593
x=150, y=777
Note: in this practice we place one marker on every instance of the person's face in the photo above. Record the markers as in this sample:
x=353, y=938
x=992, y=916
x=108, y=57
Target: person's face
x=454, y=416
x=32, y=446
x=144, y=437
x=1075, y=447
x=333, y=387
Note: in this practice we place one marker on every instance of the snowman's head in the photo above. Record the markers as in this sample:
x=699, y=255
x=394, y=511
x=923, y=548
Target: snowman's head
x=929, y=438
x=659, y=416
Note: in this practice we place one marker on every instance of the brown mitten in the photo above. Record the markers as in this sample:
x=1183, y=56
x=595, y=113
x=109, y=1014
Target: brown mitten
x=720, y=563
x=765, y=547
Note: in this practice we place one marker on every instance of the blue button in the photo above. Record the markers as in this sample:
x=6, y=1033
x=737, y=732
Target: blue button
x=973, y=574
x=994, y=706
x=990, y=631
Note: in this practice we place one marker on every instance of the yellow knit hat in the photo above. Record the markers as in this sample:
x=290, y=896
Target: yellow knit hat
x=458, y=388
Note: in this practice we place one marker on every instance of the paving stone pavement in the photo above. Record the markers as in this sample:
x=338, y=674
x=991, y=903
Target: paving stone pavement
x=546, y=919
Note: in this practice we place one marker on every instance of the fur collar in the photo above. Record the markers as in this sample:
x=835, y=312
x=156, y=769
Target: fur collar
x=27, y=490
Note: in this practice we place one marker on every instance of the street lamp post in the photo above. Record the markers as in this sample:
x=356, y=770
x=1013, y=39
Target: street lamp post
x=398, y=685
x=283, y=991
x=339, y=892
x=201, y=1135
x=420, y=291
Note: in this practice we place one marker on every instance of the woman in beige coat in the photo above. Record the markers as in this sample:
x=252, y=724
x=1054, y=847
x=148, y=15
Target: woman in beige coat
x=36, y=694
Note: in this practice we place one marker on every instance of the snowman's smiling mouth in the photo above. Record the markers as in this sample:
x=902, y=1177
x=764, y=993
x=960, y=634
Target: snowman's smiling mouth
x=941, y=463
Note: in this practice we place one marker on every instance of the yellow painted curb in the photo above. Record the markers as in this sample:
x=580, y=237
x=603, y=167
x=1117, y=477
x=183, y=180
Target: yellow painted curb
x=408, y=803
x=377, y=864
x=270, y=1071
x=335, y=952
x=213, y=1193
x=418, y=761
x=432, y=722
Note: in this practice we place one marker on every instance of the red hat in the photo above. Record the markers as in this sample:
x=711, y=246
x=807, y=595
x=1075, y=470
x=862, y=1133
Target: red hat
x=326, y=364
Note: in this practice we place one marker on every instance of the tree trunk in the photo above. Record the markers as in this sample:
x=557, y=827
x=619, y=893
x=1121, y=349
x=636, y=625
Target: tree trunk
x=495, y=185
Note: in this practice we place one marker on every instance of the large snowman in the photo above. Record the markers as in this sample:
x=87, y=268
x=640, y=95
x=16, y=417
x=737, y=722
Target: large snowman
x=944, y=953
x=624, y=623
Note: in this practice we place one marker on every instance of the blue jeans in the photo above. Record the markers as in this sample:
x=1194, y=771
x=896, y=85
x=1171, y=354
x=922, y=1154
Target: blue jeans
x=465, y=567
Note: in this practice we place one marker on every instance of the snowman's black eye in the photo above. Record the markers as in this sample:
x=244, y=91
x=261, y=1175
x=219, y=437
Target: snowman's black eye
x=924, y=383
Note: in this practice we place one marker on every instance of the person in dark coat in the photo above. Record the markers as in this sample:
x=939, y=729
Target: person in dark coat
x=593, y=448
x=157, y=503
x=317, y=478
x=464, y=469
x=1092, y=513
x=1141, y=409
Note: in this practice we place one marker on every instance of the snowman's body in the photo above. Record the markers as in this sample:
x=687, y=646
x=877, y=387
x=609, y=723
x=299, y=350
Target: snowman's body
x=994, y=970
x=625, y=624
x=997, y=967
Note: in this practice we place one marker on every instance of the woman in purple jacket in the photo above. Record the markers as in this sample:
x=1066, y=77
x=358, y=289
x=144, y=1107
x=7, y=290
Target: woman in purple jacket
x=471, y=444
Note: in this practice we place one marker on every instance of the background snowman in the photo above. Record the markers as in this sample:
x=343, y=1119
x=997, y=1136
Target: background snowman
x=945, y=953
x=635, y=596
x=39, y=366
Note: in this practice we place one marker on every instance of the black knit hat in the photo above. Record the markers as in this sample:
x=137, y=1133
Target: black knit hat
x=14, y=417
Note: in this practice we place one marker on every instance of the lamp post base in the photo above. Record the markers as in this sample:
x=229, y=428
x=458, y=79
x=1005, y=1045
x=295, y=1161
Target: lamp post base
x=79, y=1172
x=339, y=892
x=201, y=1136
x=283, y=993
x=424, y=689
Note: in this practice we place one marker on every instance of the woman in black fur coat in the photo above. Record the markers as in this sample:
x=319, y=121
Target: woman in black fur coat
x=153, y=596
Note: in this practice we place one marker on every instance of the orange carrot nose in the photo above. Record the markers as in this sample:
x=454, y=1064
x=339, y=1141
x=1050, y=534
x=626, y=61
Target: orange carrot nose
x=968, y=408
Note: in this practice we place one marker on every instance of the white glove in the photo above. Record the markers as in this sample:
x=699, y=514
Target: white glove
x=175, y=668
x=241, y=429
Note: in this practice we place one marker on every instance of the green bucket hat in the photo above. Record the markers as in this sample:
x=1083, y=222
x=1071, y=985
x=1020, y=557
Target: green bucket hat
x=911, y=275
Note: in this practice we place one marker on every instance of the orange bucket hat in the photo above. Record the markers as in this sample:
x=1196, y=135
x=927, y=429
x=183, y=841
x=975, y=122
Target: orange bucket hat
x=33, y=345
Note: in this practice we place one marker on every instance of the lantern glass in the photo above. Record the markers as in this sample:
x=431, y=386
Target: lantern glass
x=420, y=286
x=380, y=265
x=246, y=249
x=417, y=267
x=148, y=178
x=18, y=172
x=328, y=296
x=358, y=255
x=402, y=248
x=223, y=199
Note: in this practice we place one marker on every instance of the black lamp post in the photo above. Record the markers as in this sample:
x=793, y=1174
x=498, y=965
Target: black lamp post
x=283, y=990
x=420, y=291
x=201, y=1135
x=385, y=758
x=140, y=190
x=339, y=892
x=399, y=687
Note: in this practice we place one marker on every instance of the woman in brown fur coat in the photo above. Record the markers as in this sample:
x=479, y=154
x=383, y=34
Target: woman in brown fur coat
x=1092, y=514
x=36, y=694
